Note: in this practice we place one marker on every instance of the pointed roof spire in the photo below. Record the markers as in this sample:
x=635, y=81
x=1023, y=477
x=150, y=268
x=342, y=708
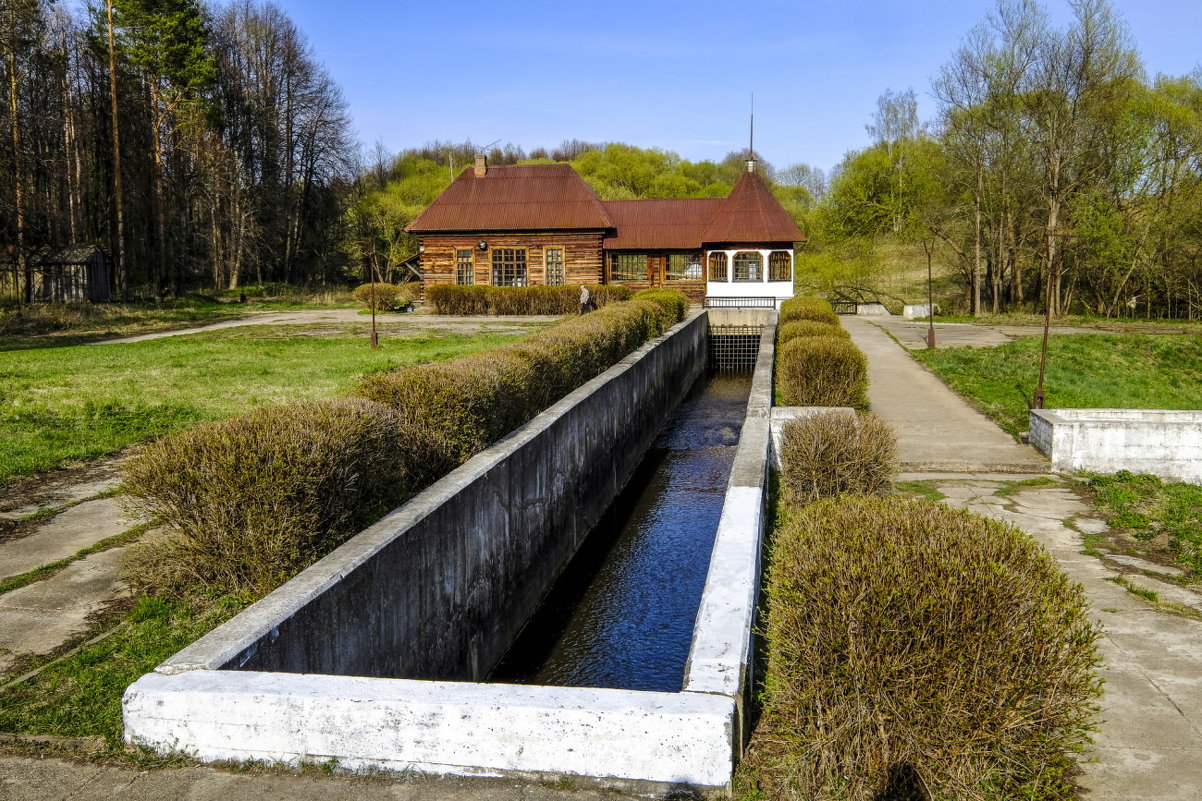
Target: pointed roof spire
x=752, y=214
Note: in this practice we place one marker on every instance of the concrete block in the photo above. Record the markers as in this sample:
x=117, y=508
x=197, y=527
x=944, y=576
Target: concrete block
x=1162, y=443
x=435, y=727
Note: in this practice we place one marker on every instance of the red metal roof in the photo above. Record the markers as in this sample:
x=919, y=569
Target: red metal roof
x=526, y=197
x=671, y=224
x=751, y=214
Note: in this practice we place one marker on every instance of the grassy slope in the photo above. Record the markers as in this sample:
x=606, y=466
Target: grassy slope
x=1130, y=371
x=78, y=403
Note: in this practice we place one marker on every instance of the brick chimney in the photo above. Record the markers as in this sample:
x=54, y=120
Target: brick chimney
x=481, y=165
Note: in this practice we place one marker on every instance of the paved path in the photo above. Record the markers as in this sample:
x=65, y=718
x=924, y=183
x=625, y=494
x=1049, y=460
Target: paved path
x=936, y=429
x=1151, y=717
x=418, y=322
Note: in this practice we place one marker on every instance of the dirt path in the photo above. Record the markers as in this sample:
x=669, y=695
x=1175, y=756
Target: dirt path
x=416, y=322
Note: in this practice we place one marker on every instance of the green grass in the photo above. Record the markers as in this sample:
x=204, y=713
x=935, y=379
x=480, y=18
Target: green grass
x=79, y=403
x=1148, y=507
x=64, y=324
x=1092, y=371
x=80, y=695
x=1015, y=487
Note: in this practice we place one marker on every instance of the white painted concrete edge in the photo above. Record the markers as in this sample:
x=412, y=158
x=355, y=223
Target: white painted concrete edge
x=785, y=414
x=235, y=638
x=720, y=657
x=435, y=727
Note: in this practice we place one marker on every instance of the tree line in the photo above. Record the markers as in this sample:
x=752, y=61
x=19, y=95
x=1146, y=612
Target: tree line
x=200, y=145
x=1056, y=171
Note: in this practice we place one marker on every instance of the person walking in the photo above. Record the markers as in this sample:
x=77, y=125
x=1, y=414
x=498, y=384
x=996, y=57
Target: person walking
x=584, y=299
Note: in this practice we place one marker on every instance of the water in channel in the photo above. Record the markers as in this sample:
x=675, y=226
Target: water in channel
x=622, y=613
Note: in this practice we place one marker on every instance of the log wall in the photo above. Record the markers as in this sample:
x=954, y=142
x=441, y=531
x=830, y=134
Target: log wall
x=582, y=255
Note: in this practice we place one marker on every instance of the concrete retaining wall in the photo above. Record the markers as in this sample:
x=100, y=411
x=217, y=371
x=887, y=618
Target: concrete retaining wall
x=1167, y=444
x=647, y=741
x=439, y=588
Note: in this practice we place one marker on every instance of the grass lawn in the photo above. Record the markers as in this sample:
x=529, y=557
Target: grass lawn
x=45, y=325
x=70, y=404
x=1091, y=371
x=80, y=695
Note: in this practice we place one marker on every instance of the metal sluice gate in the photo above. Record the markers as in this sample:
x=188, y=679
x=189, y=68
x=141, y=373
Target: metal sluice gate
x=734, y=348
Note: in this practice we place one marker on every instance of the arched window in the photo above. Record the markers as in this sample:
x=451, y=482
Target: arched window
x=718, y=266
x=780, y=264
x=749, y=266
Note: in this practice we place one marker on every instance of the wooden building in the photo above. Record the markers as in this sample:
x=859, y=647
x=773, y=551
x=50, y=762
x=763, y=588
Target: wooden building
x=542, y=224
x=67, y=273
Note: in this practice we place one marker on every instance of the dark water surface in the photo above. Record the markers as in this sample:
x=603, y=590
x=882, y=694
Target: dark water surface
x=622, y=613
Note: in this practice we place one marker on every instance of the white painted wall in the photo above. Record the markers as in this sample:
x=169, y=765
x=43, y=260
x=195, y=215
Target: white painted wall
x=1162, y=443
x=434, y=726
x=763, y=288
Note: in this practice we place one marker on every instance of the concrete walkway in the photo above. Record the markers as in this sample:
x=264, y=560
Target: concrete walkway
x=1151, y=714
x=936, y=429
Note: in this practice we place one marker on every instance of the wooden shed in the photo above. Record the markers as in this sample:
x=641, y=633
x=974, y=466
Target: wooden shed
x=62, y=273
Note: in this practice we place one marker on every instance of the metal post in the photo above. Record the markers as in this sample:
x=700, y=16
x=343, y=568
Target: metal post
x=375, y=337
x=1038, y=400
x=930, y=301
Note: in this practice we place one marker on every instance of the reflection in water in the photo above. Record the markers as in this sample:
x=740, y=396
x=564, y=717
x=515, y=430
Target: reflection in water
x=622, y=613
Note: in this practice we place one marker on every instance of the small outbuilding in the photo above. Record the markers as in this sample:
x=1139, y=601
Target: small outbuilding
x=61, y=273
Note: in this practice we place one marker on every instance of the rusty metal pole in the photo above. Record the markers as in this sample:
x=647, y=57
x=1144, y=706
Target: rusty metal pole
x=375, y=337
x=1038, y=400
x=930, y=303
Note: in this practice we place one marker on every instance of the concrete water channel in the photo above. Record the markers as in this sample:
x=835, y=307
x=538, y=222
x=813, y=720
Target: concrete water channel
x=376, y=657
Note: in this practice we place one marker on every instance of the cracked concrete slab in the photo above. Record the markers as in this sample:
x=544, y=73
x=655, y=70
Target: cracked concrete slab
x=64, y=535
x=40, y=617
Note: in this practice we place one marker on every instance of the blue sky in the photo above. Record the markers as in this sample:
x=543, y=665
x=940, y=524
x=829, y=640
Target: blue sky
x=655, y=73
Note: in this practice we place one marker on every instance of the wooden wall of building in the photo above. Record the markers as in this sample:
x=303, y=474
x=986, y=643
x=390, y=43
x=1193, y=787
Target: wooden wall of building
x=582, y=255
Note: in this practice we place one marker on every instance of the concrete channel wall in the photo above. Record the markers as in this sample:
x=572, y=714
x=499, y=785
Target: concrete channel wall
x=650, y=741
x=1162, y=443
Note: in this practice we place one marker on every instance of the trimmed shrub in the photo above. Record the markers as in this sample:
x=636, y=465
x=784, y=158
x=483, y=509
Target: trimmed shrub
x=815, y=309
x=249, y=502
x=906, y=636
x=410, y=292
x=464, y=403
x=673, y=299
x=822, y=371
x=470, y=402
x=517, y=300
x=809, y=328
x=455, y=299
x=384, y=295
x=837, y=453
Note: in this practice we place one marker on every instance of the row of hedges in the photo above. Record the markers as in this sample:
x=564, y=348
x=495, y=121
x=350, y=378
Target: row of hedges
x=472, y=300
x=387, y=296
x=816, y=363
x=251, y=501
x=914, y=650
